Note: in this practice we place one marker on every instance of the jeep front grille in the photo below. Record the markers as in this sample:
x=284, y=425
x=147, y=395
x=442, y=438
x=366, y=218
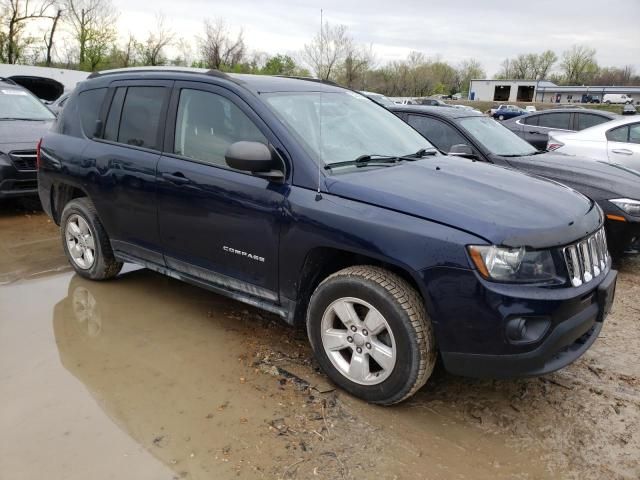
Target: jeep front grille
x=587, y=259
x=24, y=161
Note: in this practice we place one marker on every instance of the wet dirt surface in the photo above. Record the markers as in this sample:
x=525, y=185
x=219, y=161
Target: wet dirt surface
x=146, y=377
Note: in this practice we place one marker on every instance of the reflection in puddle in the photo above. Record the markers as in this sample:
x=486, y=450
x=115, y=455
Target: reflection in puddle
x=174, y=367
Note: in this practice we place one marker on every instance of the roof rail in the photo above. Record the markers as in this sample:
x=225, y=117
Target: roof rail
x=8, y=80
x=311, y=79
x=150, y=69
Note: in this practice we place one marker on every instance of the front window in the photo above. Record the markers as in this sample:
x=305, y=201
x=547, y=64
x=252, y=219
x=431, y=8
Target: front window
x=17, y=104
x=340, y=127
x=495, y=138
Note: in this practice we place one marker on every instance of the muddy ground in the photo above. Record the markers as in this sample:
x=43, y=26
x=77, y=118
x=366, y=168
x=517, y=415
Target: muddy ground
x=145, y=377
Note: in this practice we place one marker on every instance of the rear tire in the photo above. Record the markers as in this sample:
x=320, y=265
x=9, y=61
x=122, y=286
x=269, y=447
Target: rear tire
x=501, y=117
x=371, y=334
x=86, y=242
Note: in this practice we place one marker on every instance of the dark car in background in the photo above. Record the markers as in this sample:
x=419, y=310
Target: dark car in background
x=313, y=202
x=478, y=137
x=23, y=120
x=535, y=128
x=505, y=112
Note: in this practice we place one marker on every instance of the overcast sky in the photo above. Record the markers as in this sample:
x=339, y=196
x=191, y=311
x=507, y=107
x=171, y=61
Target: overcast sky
x=487, y=30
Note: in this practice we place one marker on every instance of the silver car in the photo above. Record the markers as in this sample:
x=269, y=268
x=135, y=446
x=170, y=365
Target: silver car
x=617, y=141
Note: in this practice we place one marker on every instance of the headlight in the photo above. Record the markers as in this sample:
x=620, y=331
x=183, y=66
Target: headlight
x=513, y=264
x=632, y=207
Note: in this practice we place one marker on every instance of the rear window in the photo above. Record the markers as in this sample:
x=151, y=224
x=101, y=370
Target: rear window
x=90, y=102
x=555, y=120
x=586, y=120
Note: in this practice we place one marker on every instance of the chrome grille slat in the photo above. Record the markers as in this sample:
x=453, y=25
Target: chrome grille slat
x=24, y=161
x=587, y=259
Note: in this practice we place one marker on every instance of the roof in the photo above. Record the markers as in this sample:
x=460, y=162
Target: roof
x=435, y=111
x=256, y=83
x=68, y=78
x=604, y=113
x=540, y=83
x=592, y=88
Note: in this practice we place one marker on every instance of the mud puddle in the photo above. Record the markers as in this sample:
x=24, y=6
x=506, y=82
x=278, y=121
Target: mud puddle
x=147, y=377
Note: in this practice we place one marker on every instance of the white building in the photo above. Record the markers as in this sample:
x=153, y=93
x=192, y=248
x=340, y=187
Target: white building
x=505, y=91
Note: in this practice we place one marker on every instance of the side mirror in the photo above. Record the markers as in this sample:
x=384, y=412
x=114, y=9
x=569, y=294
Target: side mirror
x=254, y=157
x=461, y=150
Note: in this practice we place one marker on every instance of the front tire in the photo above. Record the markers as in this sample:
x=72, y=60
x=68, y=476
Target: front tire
x=86, y=242
x=501, y=117
x=371, y=334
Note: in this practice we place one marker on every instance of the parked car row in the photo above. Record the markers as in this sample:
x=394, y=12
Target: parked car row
x=376, y=230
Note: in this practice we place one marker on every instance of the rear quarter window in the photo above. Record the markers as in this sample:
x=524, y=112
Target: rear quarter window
x=586, y=120
x=560, y=120
x=532, y=120
x=90, y=103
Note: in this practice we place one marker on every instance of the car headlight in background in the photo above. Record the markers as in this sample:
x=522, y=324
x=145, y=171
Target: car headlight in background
x=631, y=207
x=516, y=265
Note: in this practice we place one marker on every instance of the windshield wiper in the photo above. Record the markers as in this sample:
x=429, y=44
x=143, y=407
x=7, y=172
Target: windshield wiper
x=383, y=160
x=364, y=160
x=423, y=152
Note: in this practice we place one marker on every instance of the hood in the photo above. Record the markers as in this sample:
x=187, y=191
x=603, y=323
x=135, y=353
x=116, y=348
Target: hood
x=20, y=134
x=501, y=205
x=596, y=179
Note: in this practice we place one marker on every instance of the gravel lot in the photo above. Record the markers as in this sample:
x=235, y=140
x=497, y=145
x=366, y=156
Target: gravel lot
x=145, y=377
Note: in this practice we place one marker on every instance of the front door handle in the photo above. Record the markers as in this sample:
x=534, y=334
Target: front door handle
x=177, y=178
x=534, y=132
x=622, y=151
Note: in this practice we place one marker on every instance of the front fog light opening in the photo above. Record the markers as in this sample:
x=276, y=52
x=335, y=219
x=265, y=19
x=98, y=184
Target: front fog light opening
x=520, y=330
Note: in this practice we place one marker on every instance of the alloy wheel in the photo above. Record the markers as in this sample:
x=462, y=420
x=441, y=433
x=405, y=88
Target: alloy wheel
x=80, y=242
x=358, y=341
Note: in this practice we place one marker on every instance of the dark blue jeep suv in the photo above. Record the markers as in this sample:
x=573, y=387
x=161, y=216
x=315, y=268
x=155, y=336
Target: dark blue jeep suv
x=315, y=203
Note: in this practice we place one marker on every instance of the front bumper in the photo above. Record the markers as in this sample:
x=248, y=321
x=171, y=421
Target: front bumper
x=15, y=183
x=472, y=335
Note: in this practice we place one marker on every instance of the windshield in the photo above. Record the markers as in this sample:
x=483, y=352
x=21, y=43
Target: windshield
x=496, y=138
x=340, y=127
x=19, y=104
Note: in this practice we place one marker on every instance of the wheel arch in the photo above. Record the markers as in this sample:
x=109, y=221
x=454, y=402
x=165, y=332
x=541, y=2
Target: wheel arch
x=61, y=194
x=320, y=262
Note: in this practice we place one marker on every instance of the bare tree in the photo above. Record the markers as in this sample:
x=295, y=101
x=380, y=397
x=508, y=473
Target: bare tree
x=218, y=48
x=578, y=64
x=156, y=43
x=468, y=70
x=546, y=61
x=93, y=24
x=328, y=50
x=48, y=37
x=17, y=13
x=358, y=60
x=185, y=53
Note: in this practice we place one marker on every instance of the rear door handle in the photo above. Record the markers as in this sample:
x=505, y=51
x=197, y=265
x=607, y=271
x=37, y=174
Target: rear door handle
x=534, y=132
x=622, y=151
x=177, y=178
